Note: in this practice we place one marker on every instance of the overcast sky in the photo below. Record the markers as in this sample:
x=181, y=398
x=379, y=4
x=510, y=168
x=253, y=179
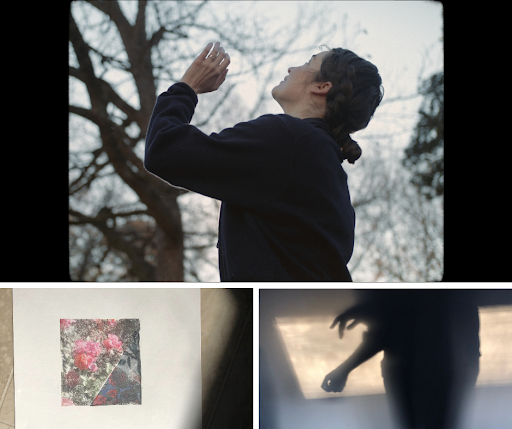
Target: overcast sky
x=397, y=32
x=396, y=39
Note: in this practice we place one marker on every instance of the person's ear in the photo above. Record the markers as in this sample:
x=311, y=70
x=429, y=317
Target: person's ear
x=321, y=88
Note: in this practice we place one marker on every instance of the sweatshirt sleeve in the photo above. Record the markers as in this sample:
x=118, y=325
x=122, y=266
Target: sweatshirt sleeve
x=246, y=165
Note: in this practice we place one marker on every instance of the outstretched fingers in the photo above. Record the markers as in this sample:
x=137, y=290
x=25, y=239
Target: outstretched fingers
x=209, y=69
x=336, y=321
x=342, y=319
x=203, y=55
x=222, y=60
x=217, y=57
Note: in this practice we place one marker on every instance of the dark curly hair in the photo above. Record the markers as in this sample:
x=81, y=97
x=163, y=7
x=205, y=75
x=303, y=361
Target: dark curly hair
x=351, y=102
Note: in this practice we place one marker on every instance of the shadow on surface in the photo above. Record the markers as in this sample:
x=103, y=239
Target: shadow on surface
x=229, y=402
x=430, y=340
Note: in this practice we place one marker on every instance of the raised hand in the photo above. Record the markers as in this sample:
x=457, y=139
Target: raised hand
x=342, y=319
x=207, y=72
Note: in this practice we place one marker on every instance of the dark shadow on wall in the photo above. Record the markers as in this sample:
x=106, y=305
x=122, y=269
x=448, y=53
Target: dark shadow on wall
x=229, y=405
x=430, y=340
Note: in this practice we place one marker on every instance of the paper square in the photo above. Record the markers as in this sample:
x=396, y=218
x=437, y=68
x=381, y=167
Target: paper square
x=170, y=353
x=91, y=349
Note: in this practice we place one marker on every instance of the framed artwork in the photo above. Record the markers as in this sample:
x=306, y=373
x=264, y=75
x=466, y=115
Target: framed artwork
x=99, y=357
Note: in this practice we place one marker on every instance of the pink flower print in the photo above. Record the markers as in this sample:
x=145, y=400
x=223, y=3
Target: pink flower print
x=85, y=354
x=83, y=361
x=66, y=402
x=64, y=323
x=72, y=378
x=80, y=347
x=113, y=342
x=91, y=348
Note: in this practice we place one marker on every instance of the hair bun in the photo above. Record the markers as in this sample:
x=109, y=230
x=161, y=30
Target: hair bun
x=351, y=150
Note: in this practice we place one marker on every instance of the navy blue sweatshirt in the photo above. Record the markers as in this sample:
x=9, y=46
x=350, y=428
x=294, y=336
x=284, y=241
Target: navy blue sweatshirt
x=286, y=213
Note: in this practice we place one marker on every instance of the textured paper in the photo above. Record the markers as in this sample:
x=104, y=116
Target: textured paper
x=170, y=356
x=91, y=351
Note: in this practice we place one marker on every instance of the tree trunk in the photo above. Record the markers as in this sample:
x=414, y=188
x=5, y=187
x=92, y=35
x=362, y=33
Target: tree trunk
x=169, y=257
x=157, y=195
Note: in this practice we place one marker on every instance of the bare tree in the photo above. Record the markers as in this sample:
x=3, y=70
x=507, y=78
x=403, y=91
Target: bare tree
x=125, y=223
x=399, y=232
x=128, y=225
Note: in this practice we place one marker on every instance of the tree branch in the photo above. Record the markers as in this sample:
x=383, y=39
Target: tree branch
x=140, y=21
x=84, y=113
x=81, y=48
x=217, y=106
x=113, y=11
x=132, y=114
x=138, y=50
x=76, y=185
x=399, y=98
x=156, y=37
x=156, y=194
x=140, y=268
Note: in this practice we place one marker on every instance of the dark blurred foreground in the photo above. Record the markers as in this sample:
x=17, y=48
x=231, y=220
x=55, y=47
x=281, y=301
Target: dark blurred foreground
x=431, y=359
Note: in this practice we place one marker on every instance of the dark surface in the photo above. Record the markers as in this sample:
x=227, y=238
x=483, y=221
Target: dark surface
x=230, y=402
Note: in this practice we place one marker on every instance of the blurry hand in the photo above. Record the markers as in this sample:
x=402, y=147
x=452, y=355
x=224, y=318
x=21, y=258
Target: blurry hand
x=207, y=72
x=343, y=318
x=335, y=381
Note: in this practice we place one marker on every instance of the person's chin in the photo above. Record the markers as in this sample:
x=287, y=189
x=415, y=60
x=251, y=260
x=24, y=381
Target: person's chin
x=276, y=90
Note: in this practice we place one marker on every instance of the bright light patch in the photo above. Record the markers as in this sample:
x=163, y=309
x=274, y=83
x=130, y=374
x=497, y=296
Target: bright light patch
x=314, y=350
x=495, y=346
